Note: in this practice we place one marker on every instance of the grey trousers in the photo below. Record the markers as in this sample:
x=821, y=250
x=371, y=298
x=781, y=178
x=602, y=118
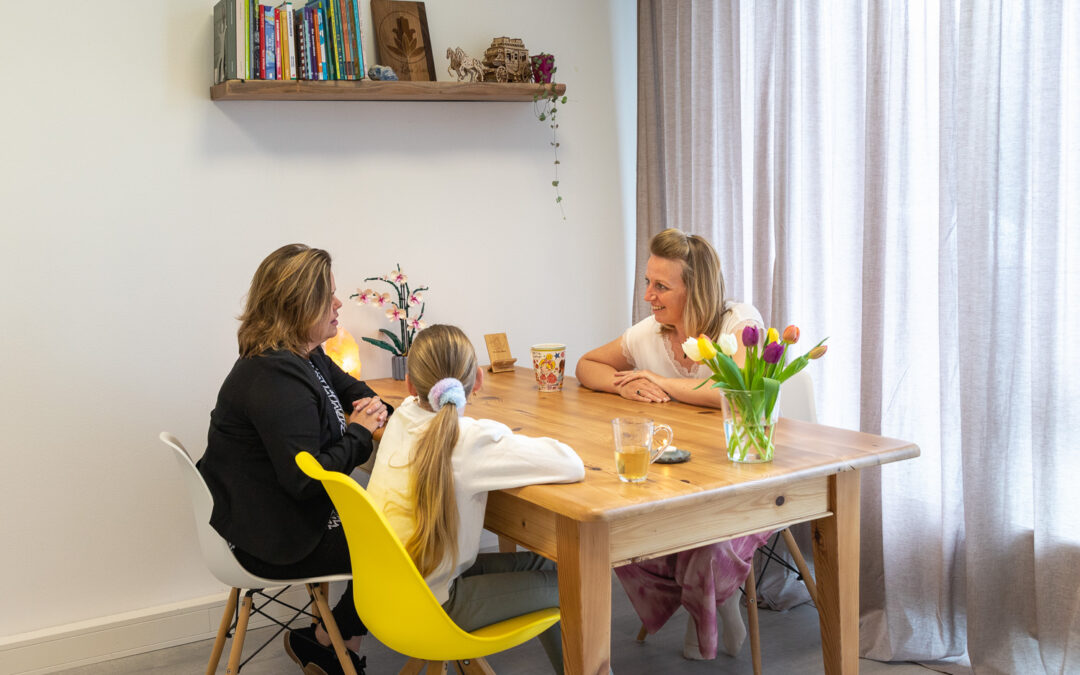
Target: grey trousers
x=501, y=586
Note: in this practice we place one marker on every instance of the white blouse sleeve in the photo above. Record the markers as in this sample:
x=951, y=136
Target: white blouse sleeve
x=741, y=315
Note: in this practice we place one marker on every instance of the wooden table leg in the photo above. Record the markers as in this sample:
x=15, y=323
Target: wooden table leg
x=507, y=545
x=836, y=566
x=585, y=596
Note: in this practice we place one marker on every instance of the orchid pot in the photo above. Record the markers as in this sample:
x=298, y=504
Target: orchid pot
x=397, y=366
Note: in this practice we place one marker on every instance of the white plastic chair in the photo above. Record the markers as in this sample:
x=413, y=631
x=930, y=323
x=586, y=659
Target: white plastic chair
x=224, y=566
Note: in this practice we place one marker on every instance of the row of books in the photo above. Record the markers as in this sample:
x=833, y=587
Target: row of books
x=320, y=40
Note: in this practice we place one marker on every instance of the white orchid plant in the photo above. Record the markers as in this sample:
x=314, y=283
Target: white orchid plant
x=399, y=310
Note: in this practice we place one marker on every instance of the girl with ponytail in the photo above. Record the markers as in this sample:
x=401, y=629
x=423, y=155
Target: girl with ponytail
x=432, y=474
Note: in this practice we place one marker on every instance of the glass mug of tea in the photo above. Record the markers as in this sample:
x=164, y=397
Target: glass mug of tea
x=637, y=446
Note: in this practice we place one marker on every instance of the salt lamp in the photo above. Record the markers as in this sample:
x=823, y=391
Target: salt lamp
x=344, y=351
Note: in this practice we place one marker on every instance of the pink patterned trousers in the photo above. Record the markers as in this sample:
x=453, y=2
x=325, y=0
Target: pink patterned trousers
x=698, y=579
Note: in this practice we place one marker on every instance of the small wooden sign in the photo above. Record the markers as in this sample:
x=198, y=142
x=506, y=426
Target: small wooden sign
x=499, y=353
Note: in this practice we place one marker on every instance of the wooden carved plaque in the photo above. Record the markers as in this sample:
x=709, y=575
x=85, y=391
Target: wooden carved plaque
x=401, y=39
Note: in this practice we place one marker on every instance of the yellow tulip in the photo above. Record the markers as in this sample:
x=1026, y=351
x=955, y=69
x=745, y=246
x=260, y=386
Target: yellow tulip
x=772, y=336
x=706, y=348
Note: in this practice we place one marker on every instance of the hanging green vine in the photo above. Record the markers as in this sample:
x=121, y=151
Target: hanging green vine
x=546, y=105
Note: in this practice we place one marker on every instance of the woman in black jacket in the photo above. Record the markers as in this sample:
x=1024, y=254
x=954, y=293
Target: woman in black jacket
x=284, y=396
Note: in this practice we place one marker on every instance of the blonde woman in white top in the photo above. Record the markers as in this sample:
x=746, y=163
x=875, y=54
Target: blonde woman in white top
x=431, y=478
x=685, y=289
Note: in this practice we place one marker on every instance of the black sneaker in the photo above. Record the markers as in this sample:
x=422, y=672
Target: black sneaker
x=313, y=658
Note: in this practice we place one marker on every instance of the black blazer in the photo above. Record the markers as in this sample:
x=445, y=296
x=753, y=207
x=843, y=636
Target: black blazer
x=270, y=408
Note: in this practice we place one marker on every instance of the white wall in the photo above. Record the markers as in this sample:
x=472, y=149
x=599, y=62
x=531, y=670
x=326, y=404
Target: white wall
x=134, y=211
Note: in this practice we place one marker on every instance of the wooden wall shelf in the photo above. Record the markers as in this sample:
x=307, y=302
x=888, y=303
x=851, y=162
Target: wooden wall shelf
x=374, y=90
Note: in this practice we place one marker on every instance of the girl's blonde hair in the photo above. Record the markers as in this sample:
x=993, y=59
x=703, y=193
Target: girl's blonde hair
x=438, y=352
x=290, y=291
x=705, y=306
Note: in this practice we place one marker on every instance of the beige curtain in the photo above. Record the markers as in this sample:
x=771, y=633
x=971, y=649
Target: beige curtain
x=688, y=127
x=903, y=177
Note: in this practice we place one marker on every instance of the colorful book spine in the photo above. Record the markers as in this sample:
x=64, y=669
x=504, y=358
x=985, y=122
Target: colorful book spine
x=235, y=10
x=258, y=64
x=244, y=41
x=332, y=46
x=358, y=33
x=221, y=31
x=290, y=38
x=300, y=35
x=339, y=47
x=302, y=63
x=311, y=27
x=269, y=43
x=278, y=60
x=327, y=41
x=282, y=51
x=324, y=61
x=346, y=37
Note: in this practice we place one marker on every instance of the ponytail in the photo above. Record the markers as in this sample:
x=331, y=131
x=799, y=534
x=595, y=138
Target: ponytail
x=432, y=479
x=442, y=367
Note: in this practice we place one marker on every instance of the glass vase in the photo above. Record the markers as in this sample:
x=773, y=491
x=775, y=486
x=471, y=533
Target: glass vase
x=749, y=421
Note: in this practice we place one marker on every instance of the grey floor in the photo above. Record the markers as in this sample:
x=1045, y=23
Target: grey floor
x=791, y=643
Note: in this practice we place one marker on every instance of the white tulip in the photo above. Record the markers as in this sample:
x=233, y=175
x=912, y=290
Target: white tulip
x=728, y=344
x=690, y=348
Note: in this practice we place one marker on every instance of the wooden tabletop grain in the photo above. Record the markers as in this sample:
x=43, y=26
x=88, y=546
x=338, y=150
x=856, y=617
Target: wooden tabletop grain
x=582, y=418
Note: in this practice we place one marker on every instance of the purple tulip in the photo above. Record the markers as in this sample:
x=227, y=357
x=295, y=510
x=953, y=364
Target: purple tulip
x=773, y=352
x=750, y=336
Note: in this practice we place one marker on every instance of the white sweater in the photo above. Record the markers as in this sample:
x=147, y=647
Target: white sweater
x=488, y=456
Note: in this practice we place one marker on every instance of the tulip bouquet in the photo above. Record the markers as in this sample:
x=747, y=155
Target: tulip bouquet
x=407, y=299
x=752, y=391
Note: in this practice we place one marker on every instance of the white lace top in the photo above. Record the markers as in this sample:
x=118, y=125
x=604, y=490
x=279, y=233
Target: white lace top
x=647, y=349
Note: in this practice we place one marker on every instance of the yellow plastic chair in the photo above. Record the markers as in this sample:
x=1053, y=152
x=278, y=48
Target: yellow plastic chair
x=394, y=601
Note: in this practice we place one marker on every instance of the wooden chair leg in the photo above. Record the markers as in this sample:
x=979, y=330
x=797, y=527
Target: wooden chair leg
x=223, y=631
x=413, y=667
x=314, y=606
x=325, y=586
x=642, y=634
x=800, y=562
x=752, y=619
x=475, y=667
x=238, y=636
x=435, y=668
x=332, y=629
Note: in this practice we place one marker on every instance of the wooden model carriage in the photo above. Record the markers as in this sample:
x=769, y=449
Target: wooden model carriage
x=507, y=60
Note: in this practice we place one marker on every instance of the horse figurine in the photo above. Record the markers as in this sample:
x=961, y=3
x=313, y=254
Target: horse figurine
x=462, y=65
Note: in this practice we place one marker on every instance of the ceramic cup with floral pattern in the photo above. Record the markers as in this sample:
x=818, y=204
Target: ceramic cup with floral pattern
x=549, y=361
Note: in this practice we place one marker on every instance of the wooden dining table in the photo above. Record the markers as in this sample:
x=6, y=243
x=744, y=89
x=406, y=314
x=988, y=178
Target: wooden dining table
x=601, y=522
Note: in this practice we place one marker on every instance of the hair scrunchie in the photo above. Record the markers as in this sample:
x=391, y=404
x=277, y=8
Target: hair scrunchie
x=447, y=390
